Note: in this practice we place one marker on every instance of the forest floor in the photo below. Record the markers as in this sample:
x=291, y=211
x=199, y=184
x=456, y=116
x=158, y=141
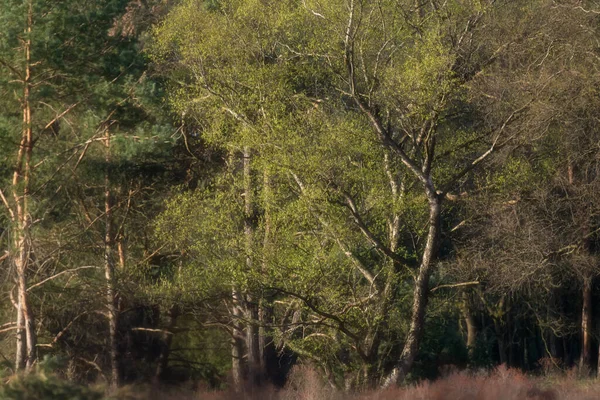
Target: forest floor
x=502, y=384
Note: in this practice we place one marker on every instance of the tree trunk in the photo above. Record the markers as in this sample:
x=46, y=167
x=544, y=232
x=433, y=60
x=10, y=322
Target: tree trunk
x=598, y=365
x=266, y=345
x=109, y=272
x=237, y=343
x=420, y=293
x=586, y=327
x=167, y=339
x=26, y=346
x=252, y=301
x=471, y=326
x=21, y=352
x=499, y=329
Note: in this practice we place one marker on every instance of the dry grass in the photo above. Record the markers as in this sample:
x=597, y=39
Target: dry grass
x=501, y=384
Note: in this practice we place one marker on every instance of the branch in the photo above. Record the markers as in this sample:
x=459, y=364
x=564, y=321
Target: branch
x=455, y=285
x=382, y=133
x=9, y=326
x=95, y=366
x=370, y=236
x=59, y=274
x=62, y=114
x=359, y=264
x=163, y=331
x=494, y=147
x=12, y=328
x=309, y=304
x=10, y=211
x=11, y=68
x=63, y=331
x=312, y=11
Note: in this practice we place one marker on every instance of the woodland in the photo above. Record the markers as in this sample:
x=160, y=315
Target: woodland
x=221, y=192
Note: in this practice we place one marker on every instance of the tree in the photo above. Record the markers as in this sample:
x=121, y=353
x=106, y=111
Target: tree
x=68, y=97
x=253, y=81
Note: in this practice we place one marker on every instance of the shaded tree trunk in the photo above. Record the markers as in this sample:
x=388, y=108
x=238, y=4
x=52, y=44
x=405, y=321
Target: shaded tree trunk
x=237, y=342
x=470, y=325
x=586, y=326
x=166, y=340
x=266, y=345
x=252, y=301
x=109, y=273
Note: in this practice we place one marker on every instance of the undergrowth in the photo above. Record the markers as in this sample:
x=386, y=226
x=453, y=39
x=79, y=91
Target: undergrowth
x=307, y=384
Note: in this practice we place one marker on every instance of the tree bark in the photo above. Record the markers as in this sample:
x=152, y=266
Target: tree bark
x=252, y=301
x=167, y=339
x=420, y=293
x=109, y=272
x=26, y=354
x=237, y=342
x=471, y=325
x=598, y=365
x=586, y=326
x=21, y=351
x=266, y=345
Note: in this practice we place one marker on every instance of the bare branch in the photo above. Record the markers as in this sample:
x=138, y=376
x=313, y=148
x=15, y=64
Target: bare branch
x=494, y=147
x=10, y=211
x=11, y=68
x=62, y=114
x=368, y=234
x=363, y=269
x=162, y=331
x=455, y=285
x=59, y=274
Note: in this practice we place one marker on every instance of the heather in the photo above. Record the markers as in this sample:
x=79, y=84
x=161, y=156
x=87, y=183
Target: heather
x=307, y=384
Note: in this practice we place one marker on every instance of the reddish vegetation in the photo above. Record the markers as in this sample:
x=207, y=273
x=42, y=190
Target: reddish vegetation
x=501, y=384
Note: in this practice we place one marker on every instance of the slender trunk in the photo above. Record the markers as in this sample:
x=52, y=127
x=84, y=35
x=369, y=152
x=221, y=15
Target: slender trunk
x=121, y=251
x=109, y=272
x=252, y=301
x=30, y=333
x=500, y=332
x=471, y=326
x=167, y=339
x=420, y=293
x=266, y=345
x=26, y=353
x=237, y=316
x=598, y=365
x=586, y=326
x=21, y=351
x=237, y=342
x=509, y=348
x=252, y=342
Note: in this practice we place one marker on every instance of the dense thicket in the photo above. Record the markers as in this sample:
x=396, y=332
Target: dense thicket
x=218, y=190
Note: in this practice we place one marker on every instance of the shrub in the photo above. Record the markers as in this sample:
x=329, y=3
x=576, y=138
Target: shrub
x=43, y=386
